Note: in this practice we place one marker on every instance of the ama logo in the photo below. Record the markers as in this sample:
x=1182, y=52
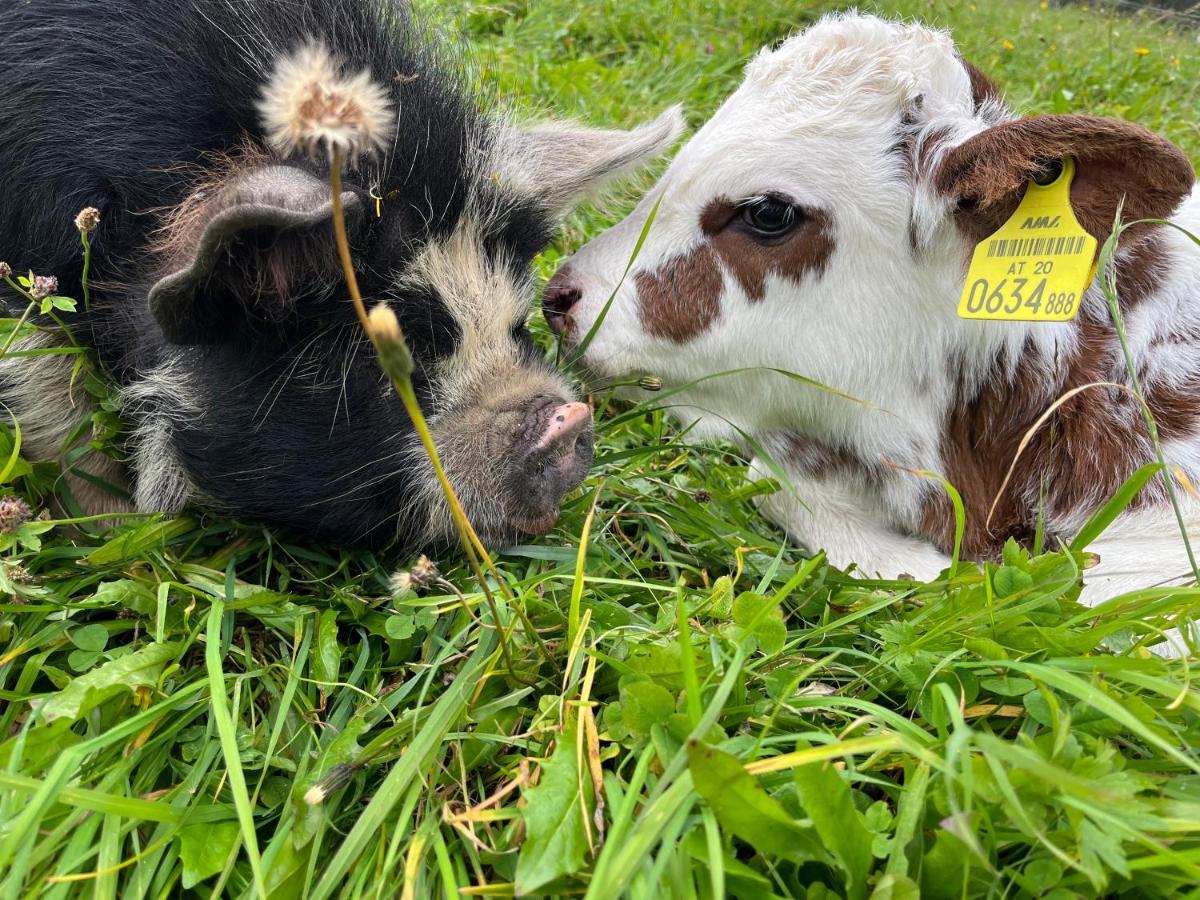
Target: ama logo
x=1041, y=222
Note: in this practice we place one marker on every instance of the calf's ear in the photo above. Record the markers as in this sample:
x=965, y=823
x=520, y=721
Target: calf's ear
x=248, y=246
x=557, y=164
x=1116, y=162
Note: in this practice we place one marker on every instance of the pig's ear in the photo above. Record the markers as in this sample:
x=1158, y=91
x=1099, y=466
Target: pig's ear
x=247, y=248
x=1116, y=162
x=557, y=164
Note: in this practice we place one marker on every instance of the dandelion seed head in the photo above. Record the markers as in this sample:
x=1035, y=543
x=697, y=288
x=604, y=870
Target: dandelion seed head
x=87, y=220
x=423, y=575
x=309, y=105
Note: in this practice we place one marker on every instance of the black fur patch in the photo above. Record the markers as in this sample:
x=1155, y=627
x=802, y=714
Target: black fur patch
x=120, y=105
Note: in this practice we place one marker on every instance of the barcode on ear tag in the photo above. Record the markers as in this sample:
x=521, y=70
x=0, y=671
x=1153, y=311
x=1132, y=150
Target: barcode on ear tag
x=1037, y=265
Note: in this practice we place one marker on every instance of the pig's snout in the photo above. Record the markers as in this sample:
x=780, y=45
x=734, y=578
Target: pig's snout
x=559, y=300
x=554, y=449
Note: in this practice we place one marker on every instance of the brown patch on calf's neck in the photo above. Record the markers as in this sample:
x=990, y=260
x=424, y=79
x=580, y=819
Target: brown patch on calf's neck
x=1082, y=455
x=682, y=298
x=806, y=250
x=814, y=458
x=1141, y=262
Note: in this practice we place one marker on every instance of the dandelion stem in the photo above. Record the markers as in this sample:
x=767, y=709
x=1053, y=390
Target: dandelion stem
x=87, y=267
x=336, y=160
x=477, y=556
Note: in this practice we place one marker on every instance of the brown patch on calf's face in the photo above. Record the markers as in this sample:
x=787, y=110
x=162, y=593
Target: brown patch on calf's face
x=1115, y=161
x=683, y=298
x=804, y=250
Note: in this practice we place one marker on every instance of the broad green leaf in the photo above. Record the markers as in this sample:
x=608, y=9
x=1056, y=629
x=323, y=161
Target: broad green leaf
x=645, y=704
x=92, y=637
x=944, y=868
x=130, y=594
x=399, y=626
x=556, y=841
x=828, y=802
x=1007, y=685
x=1041, y=875
x=1010, y=580
x=82, y=660
x=204, y=849
x=743, y=808
x=284, y=876
x=126, y=673
x=761, y=617
x=43, y=744
x=328, y=656
x=1038, y=708
x=660, y=662
x=151, y=535
x=896, y=887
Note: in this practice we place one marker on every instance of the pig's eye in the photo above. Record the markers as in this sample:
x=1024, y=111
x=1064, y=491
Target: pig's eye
x=769, y=217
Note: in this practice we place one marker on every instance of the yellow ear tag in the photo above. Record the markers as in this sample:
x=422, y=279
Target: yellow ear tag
x=1037, y=265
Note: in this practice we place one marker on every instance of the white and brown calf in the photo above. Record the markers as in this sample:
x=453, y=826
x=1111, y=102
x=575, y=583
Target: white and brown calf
x=822, y=222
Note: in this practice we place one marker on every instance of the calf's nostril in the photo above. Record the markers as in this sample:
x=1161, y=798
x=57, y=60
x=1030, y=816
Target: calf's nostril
x=560, y=297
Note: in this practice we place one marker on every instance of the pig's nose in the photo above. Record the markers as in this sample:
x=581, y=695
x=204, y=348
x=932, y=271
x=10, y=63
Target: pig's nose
x=556, y=463
x=558, y=301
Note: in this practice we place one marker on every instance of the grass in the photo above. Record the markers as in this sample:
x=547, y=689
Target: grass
x=703, y=712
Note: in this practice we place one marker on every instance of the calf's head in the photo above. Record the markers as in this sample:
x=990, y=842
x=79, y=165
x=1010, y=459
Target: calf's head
x=266, y=399
x=822, y=222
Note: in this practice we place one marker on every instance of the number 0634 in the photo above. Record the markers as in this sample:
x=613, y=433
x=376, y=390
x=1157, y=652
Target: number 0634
x=1019, y=298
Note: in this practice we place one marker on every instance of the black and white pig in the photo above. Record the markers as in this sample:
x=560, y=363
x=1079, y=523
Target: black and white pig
x=217, y=302
x=822, y=222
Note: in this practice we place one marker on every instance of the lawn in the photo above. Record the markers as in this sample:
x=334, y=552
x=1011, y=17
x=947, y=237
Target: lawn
x=671, y=703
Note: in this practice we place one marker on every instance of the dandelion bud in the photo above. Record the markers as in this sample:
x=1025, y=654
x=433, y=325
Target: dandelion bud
x=14, y=512
x=650, y=383
x=394, y=355
x=43, y=286
x=87, y=220
x=5, y=271
x=309, y=105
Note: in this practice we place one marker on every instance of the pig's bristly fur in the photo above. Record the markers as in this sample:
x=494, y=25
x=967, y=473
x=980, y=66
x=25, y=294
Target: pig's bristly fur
x=249, y=387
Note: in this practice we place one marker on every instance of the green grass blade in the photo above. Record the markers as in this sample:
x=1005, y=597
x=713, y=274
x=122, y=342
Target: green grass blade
x=229, y=747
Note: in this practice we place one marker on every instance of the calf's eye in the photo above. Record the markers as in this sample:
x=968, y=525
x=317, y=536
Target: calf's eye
x=769, y=217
